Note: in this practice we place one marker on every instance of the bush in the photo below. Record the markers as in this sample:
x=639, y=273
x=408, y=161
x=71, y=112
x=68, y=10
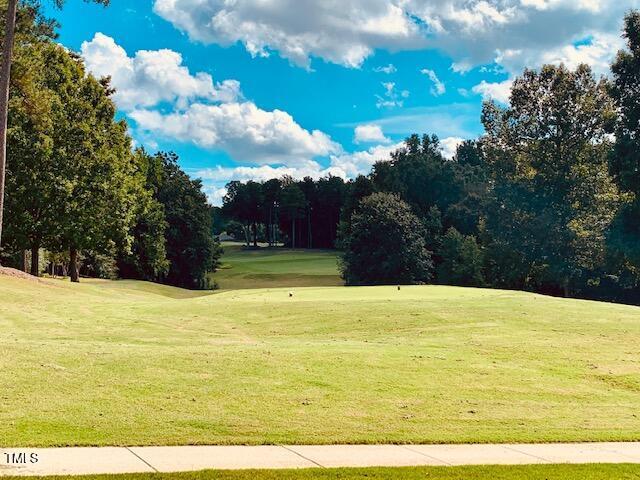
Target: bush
x=385, y=244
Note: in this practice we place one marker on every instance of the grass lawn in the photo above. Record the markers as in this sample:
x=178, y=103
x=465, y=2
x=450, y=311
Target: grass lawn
x=527, y=472
x=276, y=267
x=131, y=363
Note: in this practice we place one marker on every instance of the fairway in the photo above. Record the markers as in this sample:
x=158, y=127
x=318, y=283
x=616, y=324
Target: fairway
x=131, y=363
x=276, y=267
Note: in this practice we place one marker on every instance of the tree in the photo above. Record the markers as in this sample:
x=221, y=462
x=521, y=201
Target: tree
x=5, y=78
x=191, y=249
x=32, y=182
x=462, y=260
x=146, y=259
x=292, y=203
x=245, y=202
x=552, y=199
x=385, y=244
x=272, y=189
x=624, y=238
x=95, y=208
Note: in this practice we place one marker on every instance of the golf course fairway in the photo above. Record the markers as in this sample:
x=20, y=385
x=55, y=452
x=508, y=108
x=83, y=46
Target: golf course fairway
x=132, y=363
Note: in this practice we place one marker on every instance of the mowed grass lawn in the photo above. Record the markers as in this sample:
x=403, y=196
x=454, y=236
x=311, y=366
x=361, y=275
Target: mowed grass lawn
x=520, y=472
x=276, y=267
x=131, y=363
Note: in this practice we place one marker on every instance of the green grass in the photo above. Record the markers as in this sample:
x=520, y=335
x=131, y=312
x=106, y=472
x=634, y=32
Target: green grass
x=276, y=267
x=130, y=363
x=526, y=472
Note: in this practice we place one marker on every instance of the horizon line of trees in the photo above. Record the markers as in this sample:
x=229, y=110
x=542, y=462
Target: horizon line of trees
x=75, y=188
x=546, y=200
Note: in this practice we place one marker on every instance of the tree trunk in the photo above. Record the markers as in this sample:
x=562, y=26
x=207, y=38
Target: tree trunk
x=247, y=236
x=293, y=233
x=309, y=237
x=565, y=288
x=35, y=260
x=255, y=234
x=73, y=265
x=5, y=76
x=25, y=261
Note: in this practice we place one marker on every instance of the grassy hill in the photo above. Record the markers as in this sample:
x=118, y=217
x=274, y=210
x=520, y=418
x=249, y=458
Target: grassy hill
x=112, y=363
x=270, y=268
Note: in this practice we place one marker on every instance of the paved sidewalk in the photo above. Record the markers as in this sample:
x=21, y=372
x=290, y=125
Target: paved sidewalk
x=77, y=461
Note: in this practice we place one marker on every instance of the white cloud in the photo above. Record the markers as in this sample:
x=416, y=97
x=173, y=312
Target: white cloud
x=360, y=163
x=391, y=97
x=213, y=116
x=151, y=77
x=449, y=145
x=389, y=69
x=345, y=165
x=341, y=32
x=369, y=133
x=438, y=88
x=346, y=32
x=243, y=130
x=499, y=91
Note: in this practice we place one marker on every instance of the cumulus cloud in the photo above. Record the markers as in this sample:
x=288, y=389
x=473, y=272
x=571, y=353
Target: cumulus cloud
x=344, y=165
x=369, y=133
x=210, y=115
x=360, y=163
x=498, y=91
x=151, y=77
x=346, y=32
x=243, y=130
x=341, y=32
x=449, y=145
x=438, y=88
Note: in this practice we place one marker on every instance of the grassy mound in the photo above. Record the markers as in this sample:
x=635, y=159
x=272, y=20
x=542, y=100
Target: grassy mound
x=113, y=363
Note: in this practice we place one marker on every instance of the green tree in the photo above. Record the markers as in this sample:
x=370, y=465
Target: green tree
x=385, y=244
x=292, y=204
x=462, y=260
x=192, y=250
x=272, y=189
x=147, y=257
x=624, y=238
x=31, y=183
x=95, y=207
x=245, y=203
x=552, y=199
x=8, y=41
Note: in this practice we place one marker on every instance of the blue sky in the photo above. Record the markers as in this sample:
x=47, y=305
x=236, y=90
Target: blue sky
x=260, y=88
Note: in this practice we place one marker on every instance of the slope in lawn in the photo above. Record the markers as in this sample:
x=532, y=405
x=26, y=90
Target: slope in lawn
x=107, y=364
x=276, y=267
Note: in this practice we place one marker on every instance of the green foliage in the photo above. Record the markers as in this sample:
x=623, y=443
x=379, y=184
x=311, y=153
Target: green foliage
x=191, y=249
x=552, y=199
x=462, y=260
x=385, y=244
x=147, y=257
x=624, y=238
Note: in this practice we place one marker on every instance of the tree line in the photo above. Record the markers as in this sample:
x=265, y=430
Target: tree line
x=77, y=191
x=546, y=200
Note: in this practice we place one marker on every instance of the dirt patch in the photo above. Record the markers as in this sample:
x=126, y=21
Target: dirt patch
x=12, y=272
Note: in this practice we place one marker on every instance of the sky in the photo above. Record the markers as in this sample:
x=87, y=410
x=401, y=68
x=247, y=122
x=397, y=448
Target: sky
x=256, y=89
